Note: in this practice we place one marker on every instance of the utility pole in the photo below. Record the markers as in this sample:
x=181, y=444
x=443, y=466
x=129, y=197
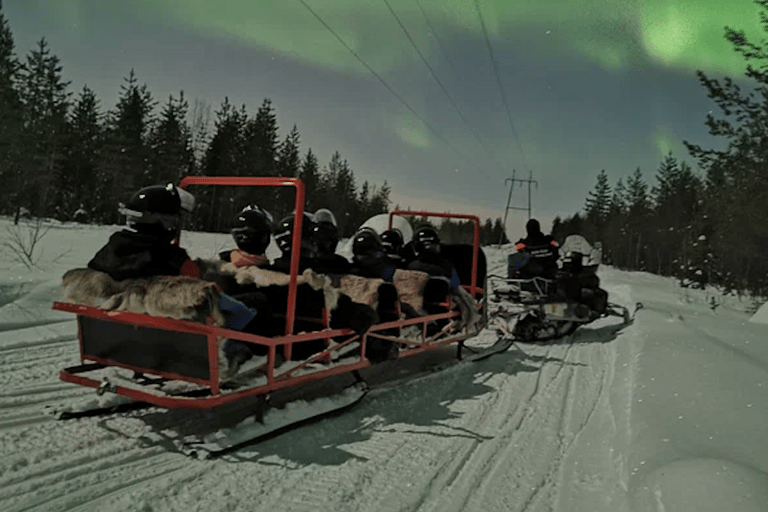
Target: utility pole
x=512, y=182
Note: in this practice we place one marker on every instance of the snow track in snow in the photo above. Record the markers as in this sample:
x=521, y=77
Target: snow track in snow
x=502, y=433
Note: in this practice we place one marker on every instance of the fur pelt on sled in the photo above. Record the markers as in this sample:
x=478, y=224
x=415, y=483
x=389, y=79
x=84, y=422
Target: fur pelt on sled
x=214, y=270
x=178, y=297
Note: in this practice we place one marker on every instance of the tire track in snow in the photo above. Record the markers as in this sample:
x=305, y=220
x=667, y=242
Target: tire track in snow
x=75, y=481
x=525, y=460
x=508, y=458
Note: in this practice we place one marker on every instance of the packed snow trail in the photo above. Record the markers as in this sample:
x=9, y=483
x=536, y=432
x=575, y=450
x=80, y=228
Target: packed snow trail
x=486, y=435
x=666, y=414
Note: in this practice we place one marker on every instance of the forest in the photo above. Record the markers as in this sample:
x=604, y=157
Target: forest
x=64, y=156
x=704, y=228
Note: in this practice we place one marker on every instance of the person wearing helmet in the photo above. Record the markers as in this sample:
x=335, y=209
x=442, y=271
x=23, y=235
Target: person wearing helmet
x=325, y=234
x=154, y=216
x=284, y=240
x=539, y=252
x=252, y=232
x=392, y=244
x=426, y=248
x=368, y=258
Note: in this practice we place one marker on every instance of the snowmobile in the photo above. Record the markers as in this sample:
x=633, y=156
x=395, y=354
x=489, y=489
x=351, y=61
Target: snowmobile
x=134, y=358
x=538, y=308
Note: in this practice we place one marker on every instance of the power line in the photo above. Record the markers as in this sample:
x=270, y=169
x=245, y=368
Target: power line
x=435, y=77
x=383, y=82
x=498, y=81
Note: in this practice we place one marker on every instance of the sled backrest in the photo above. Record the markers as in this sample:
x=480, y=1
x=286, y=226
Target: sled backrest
x=143, y=348
x=466, y=261
x=460, y=255
x=174, y=349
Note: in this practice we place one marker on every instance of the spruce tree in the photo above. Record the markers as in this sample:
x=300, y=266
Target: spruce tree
x=225, y=156
x=310, y=175
x=77, y=181
x=597, y=201
x=737, y=177
x=289, y=166
x=45, y=101
x=12, y=122
x=125, y=166
x=170, y=143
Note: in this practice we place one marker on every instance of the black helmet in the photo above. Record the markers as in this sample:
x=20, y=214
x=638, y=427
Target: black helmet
x=284, y=235
x=253, y=229
x=426, y=239
x=157, y=210
x=392, y=240
x=367, y=243
x=325, y=232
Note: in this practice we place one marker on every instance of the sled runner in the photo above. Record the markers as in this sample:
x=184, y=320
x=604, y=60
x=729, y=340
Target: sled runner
x=178, y=363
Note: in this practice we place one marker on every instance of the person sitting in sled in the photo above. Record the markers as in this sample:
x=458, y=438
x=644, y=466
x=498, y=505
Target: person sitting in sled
x=536, y=256
x=368, y=258
x=426, y=248
x=147, y=248
x=252, y=233
x=392, y=244
x=284, y=240
x=325, y=234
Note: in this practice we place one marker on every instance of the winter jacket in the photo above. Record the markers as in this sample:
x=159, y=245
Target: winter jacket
x=544, y=253
x=435, y=265
x=132, y=255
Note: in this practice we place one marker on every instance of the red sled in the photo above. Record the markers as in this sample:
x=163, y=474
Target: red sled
x=175, y=363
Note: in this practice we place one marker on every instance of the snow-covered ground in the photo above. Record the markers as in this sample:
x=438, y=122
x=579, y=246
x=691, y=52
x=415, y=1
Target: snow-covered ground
x=669, y=414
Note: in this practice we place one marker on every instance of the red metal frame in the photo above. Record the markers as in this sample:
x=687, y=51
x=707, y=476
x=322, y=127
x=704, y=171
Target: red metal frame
x=274, y=381
x=474, y=285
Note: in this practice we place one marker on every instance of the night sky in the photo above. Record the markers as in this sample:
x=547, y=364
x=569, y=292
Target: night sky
x=587, y=85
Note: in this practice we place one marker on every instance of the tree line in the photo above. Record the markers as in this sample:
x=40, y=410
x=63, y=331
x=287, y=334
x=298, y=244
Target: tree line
x=708, y=227
x=67, y=158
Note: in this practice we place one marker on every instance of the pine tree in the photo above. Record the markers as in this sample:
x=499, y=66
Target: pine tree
x=225, y=156
x=124, y=168
x=498, y=232
x=310, y=175
x=363, y=209
x=170, y=143
x=199, y=133
x=289, y=166
x=260, y=155
x=737, y=177
x=77, y=181
x=46, y=102
x=598, y=200
x=343, y=193
x=638, y=210
x=11, y=120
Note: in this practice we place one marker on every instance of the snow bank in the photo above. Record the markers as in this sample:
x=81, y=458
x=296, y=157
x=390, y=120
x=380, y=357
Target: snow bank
x=761, y=315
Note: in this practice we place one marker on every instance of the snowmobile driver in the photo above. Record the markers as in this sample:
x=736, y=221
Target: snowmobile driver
x=154, y=216
x=539, y=253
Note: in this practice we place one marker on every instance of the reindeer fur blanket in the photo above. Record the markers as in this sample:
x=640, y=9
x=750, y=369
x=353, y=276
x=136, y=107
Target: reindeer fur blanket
x=179, y=297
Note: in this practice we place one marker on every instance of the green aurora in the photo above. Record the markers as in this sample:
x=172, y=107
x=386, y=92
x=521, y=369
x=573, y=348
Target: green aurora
x=681, y=35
